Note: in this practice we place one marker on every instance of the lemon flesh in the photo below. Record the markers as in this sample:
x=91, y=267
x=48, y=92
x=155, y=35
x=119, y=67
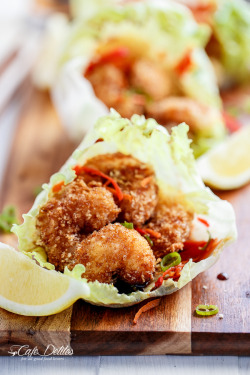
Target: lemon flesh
x=227, y=166
x=29, y=289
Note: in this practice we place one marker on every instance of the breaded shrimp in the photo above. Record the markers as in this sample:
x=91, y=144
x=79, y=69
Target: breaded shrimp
x=175, y=110
x=151, y=79
x=111, y=87
x=108, y=82
x=130, y=103
x=70, y=214
x=174, y=224
x=116, y=253
x=136, y=180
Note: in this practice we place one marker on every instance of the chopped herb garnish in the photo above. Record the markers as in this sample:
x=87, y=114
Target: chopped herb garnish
x=149, y=240
x=8, y=217
x=206, y=310
x=128, y=225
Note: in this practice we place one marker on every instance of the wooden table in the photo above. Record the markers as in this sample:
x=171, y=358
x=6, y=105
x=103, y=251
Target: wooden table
x=39, y=148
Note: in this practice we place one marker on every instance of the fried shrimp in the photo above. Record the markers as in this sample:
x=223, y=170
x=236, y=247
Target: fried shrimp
x=116, y=253
x=173, y=223
x=135, y=179
x=148, y=77
x=69, y=215
x=174, y=110
x=112, y=88
x=108, y=82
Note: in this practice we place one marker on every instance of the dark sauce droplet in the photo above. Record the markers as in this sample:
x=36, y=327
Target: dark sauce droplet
x=223, y=276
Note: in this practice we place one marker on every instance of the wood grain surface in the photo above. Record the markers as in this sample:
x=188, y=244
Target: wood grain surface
x=40, y=147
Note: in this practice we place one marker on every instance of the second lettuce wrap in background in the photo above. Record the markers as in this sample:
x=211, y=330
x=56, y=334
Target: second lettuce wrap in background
x=228, y=46
x=144, y=58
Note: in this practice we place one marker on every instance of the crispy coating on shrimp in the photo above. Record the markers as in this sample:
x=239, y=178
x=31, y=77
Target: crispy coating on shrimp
x=174, y=224
x=136, y=180
x=174, y=110
x=112, y=88
x=151, y=79
x=108, y=83
x=116, y=253
x=69, y=215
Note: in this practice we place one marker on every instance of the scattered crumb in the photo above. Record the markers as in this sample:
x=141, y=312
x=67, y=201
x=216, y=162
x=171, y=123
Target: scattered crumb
x=204, y=287
x=221, y=316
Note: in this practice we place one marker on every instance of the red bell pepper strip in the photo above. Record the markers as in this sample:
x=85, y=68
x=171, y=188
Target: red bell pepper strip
x=185, y=64
x=231, y=123
x=159, y=282
x=118, y=57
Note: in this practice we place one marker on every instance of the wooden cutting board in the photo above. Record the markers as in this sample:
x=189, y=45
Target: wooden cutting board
x=40, y=147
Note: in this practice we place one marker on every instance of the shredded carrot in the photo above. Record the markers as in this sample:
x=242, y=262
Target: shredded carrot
x=202, y=8
x=153, y=233
x=128, y=197
x=203, y=221
x=112, y=190
x=150, y=305
x=93, y=171
x=57, y=187
x=146, y=181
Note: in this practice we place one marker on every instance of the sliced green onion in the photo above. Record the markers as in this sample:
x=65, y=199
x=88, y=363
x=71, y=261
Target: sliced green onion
x=128, y=225
x=208, y=242
x=170, y=260
x=206, y=310
x=8, y=217
x=149, y=240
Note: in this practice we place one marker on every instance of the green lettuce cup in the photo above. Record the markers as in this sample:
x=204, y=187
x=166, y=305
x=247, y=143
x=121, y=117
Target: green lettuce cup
x=172, y=161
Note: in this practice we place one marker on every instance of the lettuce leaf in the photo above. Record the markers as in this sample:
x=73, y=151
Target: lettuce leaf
x=231, y=26
x=155, y=28
x=177, y=178
x=164, y=24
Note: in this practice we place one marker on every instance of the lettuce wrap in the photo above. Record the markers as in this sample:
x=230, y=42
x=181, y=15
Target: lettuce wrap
x=177, y=179
x=164, y=33
x=228, y=46
x=231, y=27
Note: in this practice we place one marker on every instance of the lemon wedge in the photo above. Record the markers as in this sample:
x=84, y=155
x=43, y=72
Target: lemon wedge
x=29, y=289
x=227, y=166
